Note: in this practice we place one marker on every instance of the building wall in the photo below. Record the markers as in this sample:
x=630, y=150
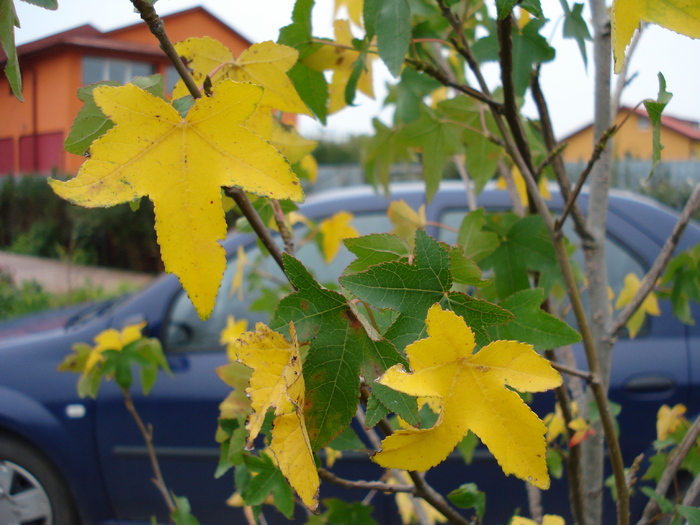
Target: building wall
x=634, y=141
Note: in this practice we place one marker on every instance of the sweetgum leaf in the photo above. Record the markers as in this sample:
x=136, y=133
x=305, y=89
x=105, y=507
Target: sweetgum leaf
x=393, y=28
x=8, y=22
x=533, y=325
x=476, y=242
x=90, y=122
x=51, y=5
x=411, y=289
x=340, y=350
x=575, y=27
x=267, y=480
x=375, y=249
x=654, y=109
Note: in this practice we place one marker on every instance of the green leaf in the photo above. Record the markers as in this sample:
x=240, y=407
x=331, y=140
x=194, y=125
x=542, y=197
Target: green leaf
x=408, y=94
x=476, y=242
x=438, y=139
x=182, y=514
x=153, y=84
x=575, y=27
x=683, y=273
x=504, y=8
x=358, y=67
x=347, y=440
x=555, y=463
x=464, y=270
x=90, y=123
x=657, y=465
x=526, y=246
x=467, y=447
x=8, y=22
x=393, y=27
x=370, y=10
x=532, y=324
x=268, y=479
x=374, y=249
x=664, y=504
x=342, y=513
x=232, y=438
x=312, y=88
x=468, y=496
x=534, y=7
x=483, y=157
x=183, y=104
x=692, y=514
x=654, y=110
x=298, y=34
x=340, y=350
x=411, y=289
x=381, y=153
x=51, y=5
x=375, y=412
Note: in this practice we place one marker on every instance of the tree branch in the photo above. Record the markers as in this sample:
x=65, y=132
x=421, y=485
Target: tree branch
x=364, y=485
x=659, y=264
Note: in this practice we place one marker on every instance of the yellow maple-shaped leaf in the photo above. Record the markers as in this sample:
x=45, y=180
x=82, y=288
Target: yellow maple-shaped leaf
x=181, y=165
x=406, y=220
x=681, y=16
x=340, y=58
x=334, y=230
x=354, y=8
x=406, y=503
x=264, y=64
x=650, y=305
x=230, y=334
x=668, y=420
x=277, y=383
x=112, y=339
x=547, y=519
x=282, y=136
x=474, y=397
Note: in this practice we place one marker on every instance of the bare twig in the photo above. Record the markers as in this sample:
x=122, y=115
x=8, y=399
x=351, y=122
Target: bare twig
x=587, y=376
x=147, y=433
x=677, y=457
x=659, y=264
x=364, y=485
x=622, y=80
x=287, y=236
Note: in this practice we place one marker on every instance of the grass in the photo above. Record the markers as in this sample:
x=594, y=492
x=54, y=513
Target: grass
x=30, y=297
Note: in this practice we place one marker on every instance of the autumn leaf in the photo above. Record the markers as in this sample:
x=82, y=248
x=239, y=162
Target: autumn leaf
x=681, y=16
x=334, y=230
x=406, y=503
x=474, y=395
x=230, y=334
x=547, y=519
x=112, y=339
x=264, y=64
x=668, y=420
x=341, y=59
x=354, y=8
x=406, y=220
x=650, y=305
x=277, y=383
x=521, y=187
x=284, y=137
x=181, y=164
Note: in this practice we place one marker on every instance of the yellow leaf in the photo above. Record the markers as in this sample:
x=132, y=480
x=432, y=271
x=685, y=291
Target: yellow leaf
x=310, y=166
x=265, y=64
x=668, y=420
x=284, y=137
x=230, y=334
x=331, y=456
x=582, y=431
x=237, y=281
x=406, y=503
x=650, y=305
x=681, y=16
x=521, y=187
x=334, y=230
x=181, y=164
x=112, y=339
x=354, y=8
x=340, y=58
x=474, y=397
x=548, y=519
x=406, y=220
x=277, y=383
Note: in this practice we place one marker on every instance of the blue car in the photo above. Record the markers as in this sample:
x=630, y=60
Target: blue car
x=66, y=460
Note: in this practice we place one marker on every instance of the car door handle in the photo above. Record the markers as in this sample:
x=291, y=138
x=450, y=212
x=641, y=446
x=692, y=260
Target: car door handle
x=650, y=384
x=179, y=363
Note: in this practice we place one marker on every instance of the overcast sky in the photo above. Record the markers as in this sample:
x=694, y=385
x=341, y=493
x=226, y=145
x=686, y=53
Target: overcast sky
x=567, y=84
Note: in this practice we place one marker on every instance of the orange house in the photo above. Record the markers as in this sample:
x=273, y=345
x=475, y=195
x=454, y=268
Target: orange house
x=680, y=138
x=53, y=68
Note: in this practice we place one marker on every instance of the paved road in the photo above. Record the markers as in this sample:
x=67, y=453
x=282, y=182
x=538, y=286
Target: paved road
x=60, y=277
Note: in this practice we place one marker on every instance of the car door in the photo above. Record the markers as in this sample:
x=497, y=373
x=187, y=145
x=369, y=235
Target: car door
x=184, y=408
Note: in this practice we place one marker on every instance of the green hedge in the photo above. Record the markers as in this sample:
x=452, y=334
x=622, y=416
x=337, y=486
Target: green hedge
x=34, y=221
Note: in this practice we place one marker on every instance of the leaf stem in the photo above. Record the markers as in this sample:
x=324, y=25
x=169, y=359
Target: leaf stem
x=364, y=485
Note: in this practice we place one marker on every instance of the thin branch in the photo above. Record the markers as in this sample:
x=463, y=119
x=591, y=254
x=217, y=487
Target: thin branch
x=692, y=492
x=259, y=227
x=587, y=376
x=147, y=434
x=549, y=159
x=622, y=80
x=677, y=457
x=287, y=236
x=364, y=485
x=597, y=152
x=659, y=264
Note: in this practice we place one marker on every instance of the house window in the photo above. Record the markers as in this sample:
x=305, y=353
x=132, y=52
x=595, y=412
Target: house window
x=643, y=123
x=97, y=69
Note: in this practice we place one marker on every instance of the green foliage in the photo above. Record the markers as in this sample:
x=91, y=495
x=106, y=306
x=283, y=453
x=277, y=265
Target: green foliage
x=468, y=496
x=654, y=109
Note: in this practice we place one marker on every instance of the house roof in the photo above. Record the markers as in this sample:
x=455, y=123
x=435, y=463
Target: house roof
x=687, y=128
x=88, y=37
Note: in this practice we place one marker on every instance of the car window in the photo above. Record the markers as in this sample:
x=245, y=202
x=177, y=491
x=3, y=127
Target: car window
x=262, y=277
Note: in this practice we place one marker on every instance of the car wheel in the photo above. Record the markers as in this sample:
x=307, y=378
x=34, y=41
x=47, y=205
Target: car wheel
x=31, y=491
